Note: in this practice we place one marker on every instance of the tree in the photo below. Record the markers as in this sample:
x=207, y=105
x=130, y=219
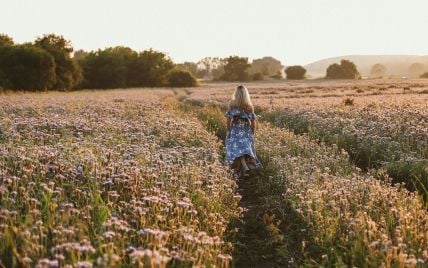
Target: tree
x=416, y=69
x=150, y=69
x=236, y=69
x=68, y=72
x=345, y=70
x=208, y=65
x=295, y=72
x=108, y=68
x=6, y=40
x=26, y=67
x=424, y=75
x=118, y=67
x=378, y=70
x=191, y=67
x=267, y=66
x=80, y=55
x=181, y=78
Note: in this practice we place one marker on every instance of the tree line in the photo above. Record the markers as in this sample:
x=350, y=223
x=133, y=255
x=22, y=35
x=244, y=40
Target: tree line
x=50, y=62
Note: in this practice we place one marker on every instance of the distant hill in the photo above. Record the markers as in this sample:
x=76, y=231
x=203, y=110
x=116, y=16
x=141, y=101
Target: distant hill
x=397, y=65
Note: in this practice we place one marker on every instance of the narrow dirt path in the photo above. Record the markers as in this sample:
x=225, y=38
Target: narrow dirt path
x=254, y=242
x=265, y=236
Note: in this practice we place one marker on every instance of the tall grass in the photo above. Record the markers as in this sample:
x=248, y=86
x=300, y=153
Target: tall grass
x=349, y=218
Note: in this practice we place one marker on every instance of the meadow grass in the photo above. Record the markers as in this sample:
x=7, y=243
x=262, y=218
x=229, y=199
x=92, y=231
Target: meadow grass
x=346, y=217
x=108, y=179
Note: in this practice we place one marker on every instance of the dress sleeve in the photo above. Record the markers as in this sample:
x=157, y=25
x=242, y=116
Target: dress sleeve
x=252, y=116
x=232, y=113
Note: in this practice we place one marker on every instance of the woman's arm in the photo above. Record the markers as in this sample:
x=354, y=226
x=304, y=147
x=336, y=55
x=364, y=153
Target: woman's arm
x=253, y=125
x=229, y=123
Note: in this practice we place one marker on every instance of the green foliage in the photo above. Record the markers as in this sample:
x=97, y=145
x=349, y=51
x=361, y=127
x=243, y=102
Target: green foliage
x=277, y=76
x=345, y=70
x=191, y=67
x=80, y=55
x=268, y=66
x=211, y=67
x=68, y=72
x=236, y=69
x=295, y=72
x=6, y=40
x=257, y=76
x=26, y=67
x=180, y=78
x=119, y=66
x=150, y=69
x=107, y=68
x=378, y=71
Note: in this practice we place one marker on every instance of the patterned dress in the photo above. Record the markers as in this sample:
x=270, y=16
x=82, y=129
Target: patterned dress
x=239, y=138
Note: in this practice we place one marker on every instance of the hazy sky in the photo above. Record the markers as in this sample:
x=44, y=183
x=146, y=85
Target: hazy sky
x=295, y=32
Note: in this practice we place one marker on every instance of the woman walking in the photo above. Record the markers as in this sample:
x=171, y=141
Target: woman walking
x=241, y=126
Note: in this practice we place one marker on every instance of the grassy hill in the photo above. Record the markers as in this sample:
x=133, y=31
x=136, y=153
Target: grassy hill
x=397, y=65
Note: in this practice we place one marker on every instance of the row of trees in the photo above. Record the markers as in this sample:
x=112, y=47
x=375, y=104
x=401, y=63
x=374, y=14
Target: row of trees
x=414, y=70
x=236, y=68
x=43, y=64
x=47, y=64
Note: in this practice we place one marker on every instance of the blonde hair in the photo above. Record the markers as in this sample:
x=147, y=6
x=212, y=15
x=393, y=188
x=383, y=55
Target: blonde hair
x=241, y=99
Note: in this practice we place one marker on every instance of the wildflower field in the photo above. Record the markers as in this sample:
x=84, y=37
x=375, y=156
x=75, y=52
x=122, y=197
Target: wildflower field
x=137, y=178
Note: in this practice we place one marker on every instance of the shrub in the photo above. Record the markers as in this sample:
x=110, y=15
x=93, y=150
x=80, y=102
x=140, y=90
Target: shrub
x=180, y=78
x=26, y=67
x=424, y=75
x=276, y=76
x=257, y=76
x=348, y=102
x=378, y=71
x=268, y=66
x=295, y=72
x=345, y=70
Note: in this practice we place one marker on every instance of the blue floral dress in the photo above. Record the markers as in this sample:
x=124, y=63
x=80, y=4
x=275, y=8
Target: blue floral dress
x=239, y=138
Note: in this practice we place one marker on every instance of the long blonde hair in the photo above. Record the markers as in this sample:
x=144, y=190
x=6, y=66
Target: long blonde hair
x=241, y=99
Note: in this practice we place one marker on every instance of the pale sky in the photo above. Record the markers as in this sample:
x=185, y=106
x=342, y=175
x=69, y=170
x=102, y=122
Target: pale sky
x=293, y=31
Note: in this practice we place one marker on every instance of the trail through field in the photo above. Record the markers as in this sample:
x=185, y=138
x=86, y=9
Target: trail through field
x=256, y=241
x=258, y=236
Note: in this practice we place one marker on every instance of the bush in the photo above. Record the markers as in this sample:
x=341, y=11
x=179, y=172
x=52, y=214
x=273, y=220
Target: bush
x=236, y=69
x=180, y=78
x=268, y=66
x=345, y=70
x=276, y=76
x=26, y=67
x=257, y=76
x=348, y=102
x=295, y=72
x=425, y=75
x=378, y=71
